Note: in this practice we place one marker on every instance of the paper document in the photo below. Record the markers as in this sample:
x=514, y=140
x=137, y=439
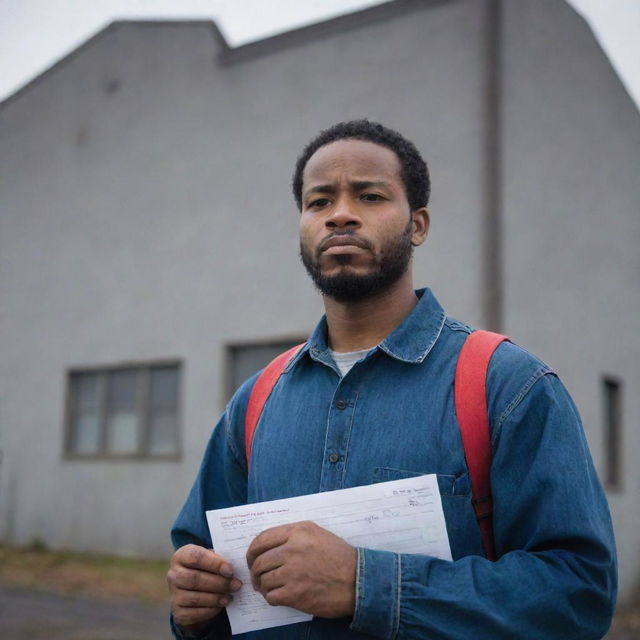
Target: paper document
x=404, y=516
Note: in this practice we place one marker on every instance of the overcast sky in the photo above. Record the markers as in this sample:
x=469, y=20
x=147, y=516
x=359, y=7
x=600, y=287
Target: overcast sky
x=36, y=33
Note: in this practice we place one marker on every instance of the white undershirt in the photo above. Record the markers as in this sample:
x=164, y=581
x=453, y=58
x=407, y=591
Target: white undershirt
x=346, y=360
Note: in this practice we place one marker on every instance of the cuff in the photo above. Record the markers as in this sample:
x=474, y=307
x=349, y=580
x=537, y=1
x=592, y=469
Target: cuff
x=219, y=629
x=377, y=593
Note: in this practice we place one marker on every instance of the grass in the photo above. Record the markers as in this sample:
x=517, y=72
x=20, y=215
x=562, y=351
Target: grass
x=92, y=575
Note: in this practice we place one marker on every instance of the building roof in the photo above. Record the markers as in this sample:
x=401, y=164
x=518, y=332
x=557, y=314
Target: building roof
x=228, y=55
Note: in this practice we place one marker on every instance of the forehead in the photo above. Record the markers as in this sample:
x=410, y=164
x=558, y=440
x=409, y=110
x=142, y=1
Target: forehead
x=355, y=159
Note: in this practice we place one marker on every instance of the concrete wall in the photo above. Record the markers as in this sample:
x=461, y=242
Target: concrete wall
x=146, y=214
x=572, y=227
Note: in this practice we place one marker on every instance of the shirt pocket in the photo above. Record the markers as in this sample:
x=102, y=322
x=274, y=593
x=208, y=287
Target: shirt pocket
x=455, y=494
x=449, y=485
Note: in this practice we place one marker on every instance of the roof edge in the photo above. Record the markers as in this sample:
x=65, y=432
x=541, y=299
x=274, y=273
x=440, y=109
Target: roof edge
x=105, y=31
x=331, y=26
x=228, y=55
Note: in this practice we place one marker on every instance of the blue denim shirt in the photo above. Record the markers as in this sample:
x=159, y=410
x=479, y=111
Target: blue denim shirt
x=392, y=416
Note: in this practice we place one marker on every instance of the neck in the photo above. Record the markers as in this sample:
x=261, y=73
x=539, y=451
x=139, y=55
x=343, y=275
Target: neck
x=354, y=326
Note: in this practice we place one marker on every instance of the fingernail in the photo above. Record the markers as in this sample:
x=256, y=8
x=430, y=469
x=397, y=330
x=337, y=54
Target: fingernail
x=226, y=571
x=225, y=601
x=235, y=584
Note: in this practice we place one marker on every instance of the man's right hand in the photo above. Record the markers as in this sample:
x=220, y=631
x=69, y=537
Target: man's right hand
x=201, y=584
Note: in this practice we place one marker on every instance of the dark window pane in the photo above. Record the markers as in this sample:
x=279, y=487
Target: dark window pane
x=122, y=419
x=613, y=432
x=122, y=390
x=164, y=388
x=85, y=436
x=163, y=433
x=247, y=360
x=84, y=387
x=122, y=432
x=163, y=411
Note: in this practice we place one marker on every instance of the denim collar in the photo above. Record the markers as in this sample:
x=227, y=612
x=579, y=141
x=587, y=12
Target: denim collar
x=411, y=341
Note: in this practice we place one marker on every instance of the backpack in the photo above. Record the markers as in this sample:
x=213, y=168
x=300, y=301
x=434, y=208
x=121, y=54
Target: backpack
x=470, y=401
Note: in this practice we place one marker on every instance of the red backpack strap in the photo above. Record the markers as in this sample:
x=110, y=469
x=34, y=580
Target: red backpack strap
x=261, y=391
x=470, y=397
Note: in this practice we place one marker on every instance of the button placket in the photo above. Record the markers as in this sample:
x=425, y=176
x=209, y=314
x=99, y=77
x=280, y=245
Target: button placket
x=337, y=436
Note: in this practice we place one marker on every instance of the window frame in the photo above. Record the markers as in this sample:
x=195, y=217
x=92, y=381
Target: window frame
x=143, y=370
x=613, y=410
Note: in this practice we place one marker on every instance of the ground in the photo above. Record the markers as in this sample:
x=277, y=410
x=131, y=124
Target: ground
x=90, y=575
x=29, y=614
x=71, y=596
x=626, y=624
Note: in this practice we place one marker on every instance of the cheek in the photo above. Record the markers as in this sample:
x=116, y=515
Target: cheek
x=306, y=230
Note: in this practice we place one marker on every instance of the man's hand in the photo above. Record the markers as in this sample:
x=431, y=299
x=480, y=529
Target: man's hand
x=201, y=583
x=304, y=566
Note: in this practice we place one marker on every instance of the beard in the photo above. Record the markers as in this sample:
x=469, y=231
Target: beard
x=347, y=286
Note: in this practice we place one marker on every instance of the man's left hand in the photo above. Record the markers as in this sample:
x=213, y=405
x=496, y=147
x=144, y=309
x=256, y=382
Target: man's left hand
x=304, y=566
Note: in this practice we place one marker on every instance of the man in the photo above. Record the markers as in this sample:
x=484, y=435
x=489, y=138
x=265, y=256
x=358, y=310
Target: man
x=369, y=398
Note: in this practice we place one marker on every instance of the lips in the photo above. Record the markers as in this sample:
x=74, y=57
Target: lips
x=343, y=240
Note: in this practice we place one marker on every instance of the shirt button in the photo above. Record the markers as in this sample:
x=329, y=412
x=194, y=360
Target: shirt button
x=341, y=404
x=333, y=458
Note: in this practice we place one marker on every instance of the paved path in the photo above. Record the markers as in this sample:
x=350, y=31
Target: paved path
x=35, y=615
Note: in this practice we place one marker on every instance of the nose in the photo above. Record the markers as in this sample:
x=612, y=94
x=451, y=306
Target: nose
x=343, y=215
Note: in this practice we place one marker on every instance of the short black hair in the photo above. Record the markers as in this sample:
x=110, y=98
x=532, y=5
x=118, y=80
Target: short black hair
x=413, y=169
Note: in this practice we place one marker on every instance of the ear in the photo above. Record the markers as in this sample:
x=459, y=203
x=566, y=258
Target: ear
x=420, y=226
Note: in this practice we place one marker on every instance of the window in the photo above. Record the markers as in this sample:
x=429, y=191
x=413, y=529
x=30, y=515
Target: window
x=127, y=411
x=246, y=359
x=613, y=432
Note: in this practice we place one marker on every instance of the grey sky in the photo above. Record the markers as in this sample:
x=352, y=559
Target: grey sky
x=36, y=33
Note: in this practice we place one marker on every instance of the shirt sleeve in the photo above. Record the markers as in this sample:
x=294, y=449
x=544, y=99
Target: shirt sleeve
x=555, y=577
x=218, y=630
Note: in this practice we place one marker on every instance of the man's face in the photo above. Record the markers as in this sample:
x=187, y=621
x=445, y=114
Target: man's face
x=356, y=226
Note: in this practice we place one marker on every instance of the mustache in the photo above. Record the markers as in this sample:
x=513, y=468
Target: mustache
x=355, y=240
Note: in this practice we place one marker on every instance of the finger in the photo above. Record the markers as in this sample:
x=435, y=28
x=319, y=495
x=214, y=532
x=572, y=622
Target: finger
x=265, y=562
x=268, y=539
x=277, y=597
x=199, y=600
x=193, y=580
x=196, y=557
x=271, y=580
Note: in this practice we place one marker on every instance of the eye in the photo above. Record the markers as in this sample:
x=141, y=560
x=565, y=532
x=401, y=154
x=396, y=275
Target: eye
x=318, y=203
x=370, y=197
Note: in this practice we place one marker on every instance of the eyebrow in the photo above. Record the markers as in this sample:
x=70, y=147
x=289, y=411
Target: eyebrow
x=356, y=185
